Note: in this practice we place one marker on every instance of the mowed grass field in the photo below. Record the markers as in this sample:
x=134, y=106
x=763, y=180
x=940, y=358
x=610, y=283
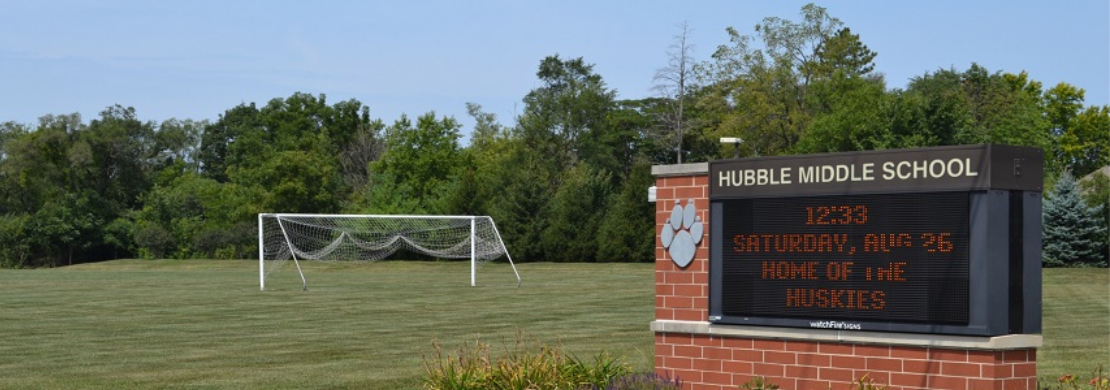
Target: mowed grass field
x=1076, y=315
x=205, y=325
x=136, y=324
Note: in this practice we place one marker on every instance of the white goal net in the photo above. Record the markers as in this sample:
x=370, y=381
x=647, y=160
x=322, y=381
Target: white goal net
x=352, y=237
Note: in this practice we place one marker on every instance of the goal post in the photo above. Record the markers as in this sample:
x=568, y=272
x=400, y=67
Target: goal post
x=357, y=237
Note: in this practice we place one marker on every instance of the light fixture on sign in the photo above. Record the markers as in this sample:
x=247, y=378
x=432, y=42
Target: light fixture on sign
x=735, y=141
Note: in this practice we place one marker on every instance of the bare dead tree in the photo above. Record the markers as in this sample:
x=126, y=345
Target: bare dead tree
x=671, y=82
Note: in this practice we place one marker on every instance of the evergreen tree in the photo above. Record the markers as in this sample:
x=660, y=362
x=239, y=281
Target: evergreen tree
x=1073, y=231
x=628, y=232
x=1096, y=191
x=576, y=210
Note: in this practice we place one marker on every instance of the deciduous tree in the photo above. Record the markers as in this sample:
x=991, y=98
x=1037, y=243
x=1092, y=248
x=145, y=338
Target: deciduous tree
x=564, y=115
x=418, y=165
x=761, y=87
x=1082, y=139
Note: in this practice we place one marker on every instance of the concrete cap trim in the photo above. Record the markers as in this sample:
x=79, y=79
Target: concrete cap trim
x=996, y=343
x=680, y=169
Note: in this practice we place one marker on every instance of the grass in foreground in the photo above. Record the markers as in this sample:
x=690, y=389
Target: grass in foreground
x=136, y=324
x=205, y=324
x=1076, y=315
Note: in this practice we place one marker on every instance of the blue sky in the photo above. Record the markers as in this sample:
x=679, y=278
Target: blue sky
x=197, y=59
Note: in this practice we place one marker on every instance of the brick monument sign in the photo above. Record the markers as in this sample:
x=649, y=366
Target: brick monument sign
x=914, y=269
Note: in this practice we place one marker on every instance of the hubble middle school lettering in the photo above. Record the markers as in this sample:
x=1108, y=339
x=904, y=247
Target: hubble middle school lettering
x=843, y=173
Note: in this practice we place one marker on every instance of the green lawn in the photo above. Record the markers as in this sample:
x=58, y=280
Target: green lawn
x=205, y=325
x=1076, y=322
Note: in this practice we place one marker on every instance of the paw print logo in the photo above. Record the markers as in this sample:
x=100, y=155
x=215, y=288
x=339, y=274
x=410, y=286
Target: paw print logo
x=682, y=233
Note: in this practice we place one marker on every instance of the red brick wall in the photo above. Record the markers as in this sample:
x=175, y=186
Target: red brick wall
x=681, y=294
x=706, y=362
x=725, y=362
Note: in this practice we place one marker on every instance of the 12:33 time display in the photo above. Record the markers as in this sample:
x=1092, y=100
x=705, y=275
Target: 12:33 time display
x=836, y=215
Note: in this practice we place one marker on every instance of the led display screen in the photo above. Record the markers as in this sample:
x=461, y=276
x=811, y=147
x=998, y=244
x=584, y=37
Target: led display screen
x=888, y=258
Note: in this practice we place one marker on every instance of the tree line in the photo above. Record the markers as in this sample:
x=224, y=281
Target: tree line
x=566, y=180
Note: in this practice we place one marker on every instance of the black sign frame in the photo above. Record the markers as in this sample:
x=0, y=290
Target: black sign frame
x=1002, y=185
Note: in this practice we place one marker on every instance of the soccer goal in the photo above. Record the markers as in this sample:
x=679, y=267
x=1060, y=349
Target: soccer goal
x=352, y=237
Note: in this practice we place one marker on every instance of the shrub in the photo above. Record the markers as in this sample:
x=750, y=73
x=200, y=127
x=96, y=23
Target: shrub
x=866, y=383
x=644, y=381
x=154, y=241
x=16, y=240
x=759, y=383
x=526, y=367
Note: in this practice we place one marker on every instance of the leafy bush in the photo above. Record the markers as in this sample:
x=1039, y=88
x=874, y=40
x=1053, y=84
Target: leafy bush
x=644, y=381
x=759, y=383
x=526, y=367
x=14, y=236
x=154, y=241
x=234, y=242
x=866, y=383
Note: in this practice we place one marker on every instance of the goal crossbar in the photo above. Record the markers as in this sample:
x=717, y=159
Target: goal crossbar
x=369, y=237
